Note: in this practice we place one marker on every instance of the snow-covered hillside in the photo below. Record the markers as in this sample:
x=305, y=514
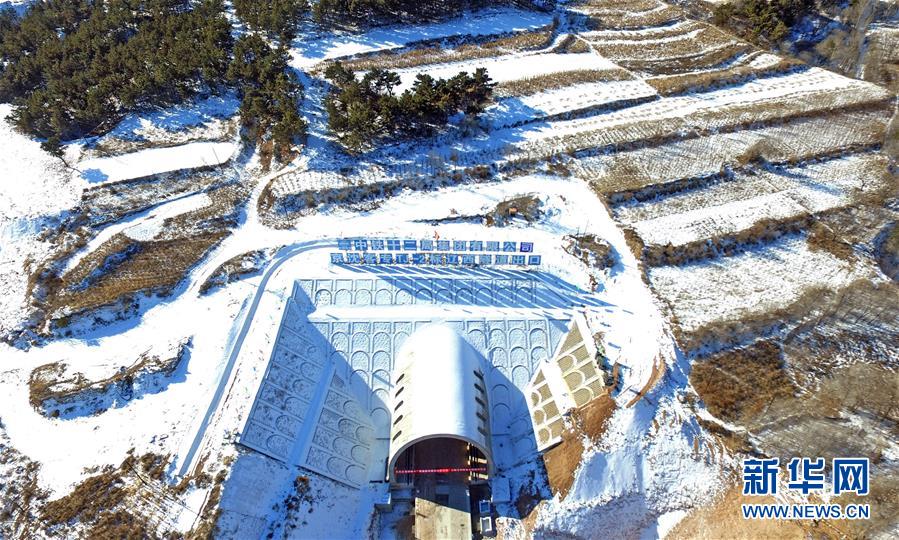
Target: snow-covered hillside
x=691, y=196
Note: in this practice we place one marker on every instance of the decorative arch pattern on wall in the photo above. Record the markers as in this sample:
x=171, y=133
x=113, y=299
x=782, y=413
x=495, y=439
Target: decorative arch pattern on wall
x=328, y=380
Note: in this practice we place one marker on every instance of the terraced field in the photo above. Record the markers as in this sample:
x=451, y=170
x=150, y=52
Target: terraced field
x=647, y=171
x=738, y=203
x=713, y=153
x=757, y=195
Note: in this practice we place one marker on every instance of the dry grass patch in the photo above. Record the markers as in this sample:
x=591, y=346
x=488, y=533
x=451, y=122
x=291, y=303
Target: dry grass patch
x=109, y=505
x=883, y=498
x=122, y=267
x=823, y=238
x=634, y=242
x=647, y=34
x=95, y=495
x=154, y=266
x=708, y=80
x=552, y=81
x=630, y=18
x=681, y=41
x=616, y=5
x=587, y=422
x=53, y=386
x=723, y=519
x=659, y=170
x=20, y=493
x=237, y=267
x=571, y=44
x=762, y=231
x=665, y=62
x=737, y=385
x=735, y=441
x=44, y=379
x=725, y=119
x=845, y=411
x=855, y=324
x=110, y=202
x=859, y=312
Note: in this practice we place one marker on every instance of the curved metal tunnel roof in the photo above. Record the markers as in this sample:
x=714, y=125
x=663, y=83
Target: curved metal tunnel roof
x=439, y=392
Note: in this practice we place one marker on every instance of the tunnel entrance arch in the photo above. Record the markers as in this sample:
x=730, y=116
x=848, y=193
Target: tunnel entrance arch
x=440, y=423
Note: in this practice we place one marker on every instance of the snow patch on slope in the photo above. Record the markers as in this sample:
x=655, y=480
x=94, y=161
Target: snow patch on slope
x=35, y=191
x=511, y=67
x=750, y=283
x=643, y=476
x=317, y=48
x=156, y=161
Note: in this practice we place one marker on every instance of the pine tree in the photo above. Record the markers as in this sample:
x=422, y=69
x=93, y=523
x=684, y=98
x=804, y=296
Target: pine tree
x=363, y=111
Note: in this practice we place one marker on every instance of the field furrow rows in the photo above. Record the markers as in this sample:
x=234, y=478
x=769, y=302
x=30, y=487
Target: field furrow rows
x=757, y=102
x=631, y=171
x=572, y=99
x=815, y=187
x=749, y=284
x=774, y=196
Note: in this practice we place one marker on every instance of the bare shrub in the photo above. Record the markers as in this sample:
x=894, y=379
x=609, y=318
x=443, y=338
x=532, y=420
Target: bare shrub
x=526, y=207
x=103, y=505
x=823, y=238
x=762, y=231
x=591, y=250
x=758, y=153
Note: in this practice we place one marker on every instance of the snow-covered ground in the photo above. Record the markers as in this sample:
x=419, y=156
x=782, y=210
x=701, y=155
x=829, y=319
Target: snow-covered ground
x=166, y=124
x=316, y=48
x=653, y=464
x=763, y=92
x=751, y=283
x=29, y=174
x=35, y=191
x=156, y=160
x=652, y=467
x=175, y=420
x=703, y=156
x=569, y=99
x=510, y=67
x=729, y=207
